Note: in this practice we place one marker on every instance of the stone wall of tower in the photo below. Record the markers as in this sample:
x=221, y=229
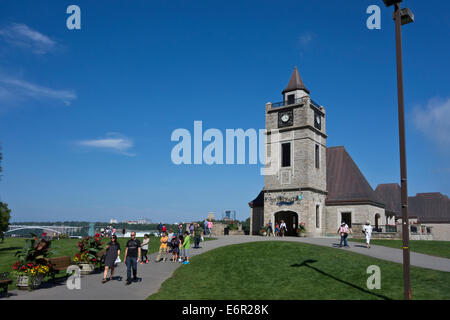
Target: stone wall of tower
x=305, y=209
x=303, y=137
x=302, y=177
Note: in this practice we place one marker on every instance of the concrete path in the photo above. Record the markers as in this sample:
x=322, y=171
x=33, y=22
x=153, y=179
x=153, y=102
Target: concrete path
x=152, y=275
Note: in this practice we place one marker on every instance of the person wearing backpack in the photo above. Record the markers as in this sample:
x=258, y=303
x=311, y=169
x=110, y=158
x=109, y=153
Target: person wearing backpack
x=175, y=248
x=343, y=231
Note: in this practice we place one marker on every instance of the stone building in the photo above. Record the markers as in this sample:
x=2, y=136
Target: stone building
x=306, y=181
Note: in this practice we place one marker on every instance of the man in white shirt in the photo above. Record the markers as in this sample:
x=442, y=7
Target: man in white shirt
x=283, y=228
x=367, y=229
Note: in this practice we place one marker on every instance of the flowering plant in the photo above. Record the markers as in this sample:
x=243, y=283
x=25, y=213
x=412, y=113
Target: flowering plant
x=88, y=249
x=33, y=259
x=263, y=230
x=30, y=269
x=301, y=228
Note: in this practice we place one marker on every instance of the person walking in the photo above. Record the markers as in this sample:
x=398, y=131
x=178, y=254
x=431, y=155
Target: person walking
x=111, y=255
x=144, y=248
x=277, y=229
x=269, y=228
x=175, y=248
x=197, y=235
x=132, y=256
x=159, y=228
x=367, y=230
x=205, y=227
x=162, y=254
x=185, y=247
x=180, y=253
x=343, y=231
x=283, y=228
x=191, y=228
x=210, y=226
x=180, y=229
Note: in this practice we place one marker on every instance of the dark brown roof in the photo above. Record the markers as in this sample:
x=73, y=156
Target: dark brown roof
x=390, y=195
x=258, y=201
x=430, y=207
x=427, y=207
x=295, y=83
x=345, y=182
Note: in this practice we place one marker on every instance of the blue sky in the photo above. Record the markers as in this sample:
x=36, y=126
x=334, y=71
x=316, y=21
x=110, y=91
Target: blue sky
x=86, y=115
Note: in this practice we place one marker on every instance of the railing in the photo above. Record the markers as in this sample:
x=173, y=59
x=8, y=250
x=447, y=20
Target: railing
x=296, y=101
x=381, y=228
x=315, y=104
x=286, y=103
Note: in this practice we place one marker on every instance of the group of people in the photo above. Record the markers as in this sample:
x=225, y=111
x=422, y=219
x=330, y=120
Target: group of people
x=190, y=228
x=177, y=244
x=279, y=231
x=344, y=231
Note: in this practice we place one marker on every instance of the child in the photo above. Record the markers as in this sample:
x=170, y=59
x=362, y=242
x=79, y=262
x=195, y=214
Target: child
x=186, y=246
x=277, y=230
x=180, y=253
x=162, y=248
x=175, y=248
x=144, y=247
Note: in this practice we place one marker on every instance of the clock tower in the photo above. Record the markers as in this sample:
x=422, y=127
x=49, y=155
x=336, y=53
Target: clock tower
x=295, y=174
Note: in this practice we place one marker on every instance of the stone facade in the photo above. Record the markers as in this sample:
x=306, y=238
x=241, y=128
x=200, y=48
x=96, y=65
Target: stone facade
x=440, y=231
x=359, y=215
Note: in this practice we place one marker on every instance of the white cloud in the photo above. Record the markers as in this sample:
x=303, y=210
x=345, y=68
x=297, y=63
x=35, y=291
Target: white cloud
x=20, y=35
x=112, y=142
x=434, y=120
x=306, y=38
x=15, y=89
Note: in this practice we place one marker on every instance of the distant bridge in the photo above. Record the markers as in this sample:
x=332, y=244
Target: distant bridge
x=57, y=229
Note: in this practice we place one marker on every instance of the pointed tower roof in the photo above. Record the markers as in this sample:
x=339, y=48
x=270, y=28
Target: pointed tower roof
x=295, y=83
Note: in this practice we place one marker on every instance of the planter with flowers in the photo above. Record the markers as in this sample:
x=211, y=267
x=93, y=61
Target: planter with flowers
x=263, y=231
x=87, y=258
x=301, y=230
x=32, y=264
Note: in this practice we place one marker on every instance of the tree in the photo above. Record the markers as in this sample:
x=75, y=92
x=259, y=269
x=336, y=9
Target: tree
x=1, y=158
x=4, y=217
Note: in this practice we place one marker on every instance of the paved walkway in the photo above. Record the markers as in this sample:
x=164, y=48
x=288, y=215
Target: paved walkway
x=152, y=275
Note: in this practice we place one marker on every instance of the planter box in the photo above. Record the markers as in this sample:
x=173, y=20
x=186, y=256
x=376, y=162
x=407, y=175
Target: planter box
x=23, y=282
x=86, y=268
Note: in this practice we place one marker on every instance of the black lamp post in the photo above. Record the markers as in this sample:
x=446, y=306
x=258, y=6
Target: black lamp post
x=401, y=17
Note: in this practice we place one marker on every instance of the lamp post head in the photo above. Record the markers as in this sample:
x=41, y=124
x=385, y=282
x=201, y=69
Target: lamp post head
x=406, y=16
x=389, y=3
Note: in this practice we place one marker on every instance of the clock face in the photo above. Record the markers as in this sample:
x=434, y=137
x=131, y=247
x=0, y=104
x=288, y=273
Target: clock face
x=285, y=117
x=317, y=121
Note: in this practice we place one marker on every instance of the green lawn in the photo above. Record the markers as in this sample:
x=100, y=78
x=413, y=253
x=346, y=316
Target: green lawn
x=286, y=270
x=431, y=247
x=64, y=247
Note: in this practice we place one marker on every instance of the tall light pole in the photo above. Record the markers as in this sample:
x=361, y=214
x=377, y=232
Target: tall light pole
x=401, y=17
